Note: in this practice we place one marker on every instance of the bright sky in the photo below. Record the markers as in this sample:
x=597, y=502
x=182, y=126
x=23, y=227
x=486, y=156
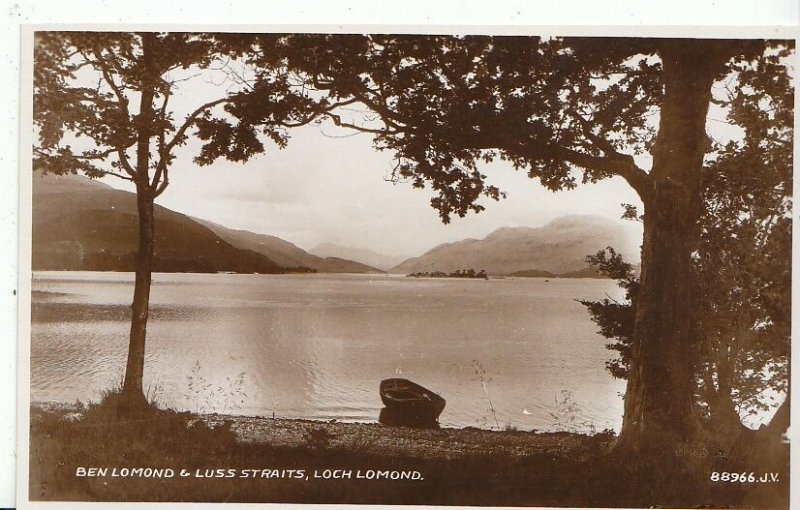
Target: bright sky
x=330, y=185
x=324, y=189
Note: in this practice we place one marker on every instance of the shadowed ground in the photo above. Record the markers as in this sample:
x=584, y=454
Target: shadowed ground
x=248, y=459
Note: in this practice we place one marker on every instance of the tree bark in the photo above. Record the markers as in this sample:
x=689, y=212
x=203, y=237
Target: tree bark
x=724, y=421
x=132, y=389
x=660, y=412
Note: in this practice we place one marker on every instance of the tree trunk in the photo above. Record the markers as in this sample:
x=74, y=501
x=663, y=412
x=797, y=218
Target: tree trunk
x=660, y=413
x=133, y=391
x=724, y=422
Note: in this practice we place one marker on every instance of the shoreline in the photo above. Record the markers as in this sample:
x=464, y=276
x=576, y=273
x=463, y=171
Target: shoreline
x=372, y=437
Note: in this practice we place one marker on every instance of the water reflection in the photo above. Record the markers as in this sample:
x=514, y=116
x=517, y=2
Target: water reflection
x=316, y=346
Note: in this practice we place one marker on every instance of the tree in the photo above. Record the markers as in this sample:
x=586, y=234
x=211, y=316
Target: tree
x=110, y=104
x=742, y=267
x=446, y=105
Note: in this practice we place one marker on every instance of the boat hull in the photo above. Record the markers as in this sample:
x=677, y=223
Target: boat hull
x=409, y=403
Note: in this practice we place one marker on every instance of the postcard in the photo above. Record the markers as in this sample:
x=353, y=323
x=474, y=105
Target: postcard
x=363, y=265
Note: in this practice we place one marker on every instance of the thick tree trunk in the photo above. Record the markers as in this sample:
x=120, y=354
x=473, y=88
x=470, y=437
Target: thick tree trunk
x=660, y=413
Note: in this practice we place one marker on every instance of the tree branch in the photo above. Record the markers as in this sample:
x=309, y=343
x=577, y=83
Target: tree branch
x=187, y=123
x=620, y=164
x=123, y=101
x=363, y=96
x=101, y=155
x=162, y=154
x=321, y=111
x=162, y=168
x=123, y=106
x=161, y=186
x=339, y=122
x=115, y=174
x=600, y=142
x=126, y=164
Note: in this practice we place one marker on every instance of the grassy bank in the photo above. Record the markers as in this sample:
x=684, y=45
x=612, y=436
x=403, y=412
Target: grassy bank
x=173, y=456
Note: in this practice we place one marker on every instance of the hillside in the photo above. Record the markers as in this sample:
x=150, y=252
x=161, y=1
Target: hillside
x=532, y=273
x=285, y=253
x=558, y=247
x=79, y=224
x=587, y=272
x=363, y=255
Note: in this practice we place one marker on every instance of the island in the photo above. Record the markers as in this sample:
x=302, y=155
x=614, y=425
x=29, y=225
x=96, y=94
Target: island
x=459, y=273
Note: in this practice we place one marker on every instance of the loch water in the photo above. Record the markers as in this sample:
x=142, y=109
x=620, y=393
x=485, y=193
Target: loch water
x=514, y=352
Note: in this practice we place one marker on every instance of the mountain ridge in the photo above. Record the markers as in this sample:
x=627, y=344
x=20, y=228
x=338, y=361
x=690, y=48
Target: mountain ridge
x=282, y=251
x=558, y=247
x=83, y=224
x=363, y=255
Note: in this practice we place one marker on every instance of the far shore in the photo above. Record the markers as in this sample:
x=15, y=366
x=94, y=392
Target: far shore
x=425, y=274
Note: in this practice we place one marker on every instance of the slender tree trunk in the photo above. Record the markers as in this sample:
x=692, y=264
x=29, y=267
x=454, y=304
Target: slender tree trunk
x=723, y=419
x=660, y=411
x=132, y=390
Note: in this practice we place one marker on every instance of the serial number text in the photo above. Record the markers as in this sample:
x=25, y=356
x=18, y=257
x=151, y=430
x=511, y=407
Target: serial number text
x=744, y=477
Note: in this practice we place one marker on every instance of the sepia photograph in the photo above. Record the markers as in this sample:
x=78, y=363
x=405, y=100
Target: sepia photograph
x=503, y=268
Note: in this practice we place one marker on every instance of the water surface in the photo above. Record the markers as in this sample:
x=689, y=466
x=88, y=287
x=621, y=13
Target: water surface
x=316, y=346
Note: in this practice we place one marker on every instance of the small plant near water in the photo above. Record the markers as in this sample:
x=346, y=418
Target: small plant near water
x=206, y=396
x=565, y=417
x=154, y=393
x=480, y=375
x=110, y=399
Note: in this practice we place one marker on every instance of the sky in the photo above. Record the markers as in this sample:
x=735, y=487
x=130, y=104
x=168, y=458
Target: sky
x=325, y=189
x=329, y=185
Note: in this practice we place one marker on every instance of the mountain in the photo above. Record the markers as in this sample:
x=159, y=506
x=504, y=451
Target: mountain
x=81, y=224
x=363, y=255
x=586, y=272
x=532, y=273
x=558, y=247
x=286, y=253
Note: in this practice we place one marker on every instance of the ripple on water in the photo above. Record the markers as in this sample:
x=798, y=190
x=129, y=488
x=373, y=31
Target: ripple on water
x=317, y=346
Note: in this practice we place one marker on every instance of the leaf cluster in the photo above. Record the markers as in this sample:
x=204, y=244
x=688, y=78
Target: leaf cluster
x=743, y=264
x=615, y=318
x=115, y=104
x=447, y=105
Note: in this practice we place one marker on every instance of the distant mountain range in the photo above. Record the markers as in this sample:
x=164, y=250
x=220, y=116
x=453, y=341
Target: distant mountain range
x=587, y=272
x=557, y=248
x=363, y=255
x=285, y=253
x=80, y=224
